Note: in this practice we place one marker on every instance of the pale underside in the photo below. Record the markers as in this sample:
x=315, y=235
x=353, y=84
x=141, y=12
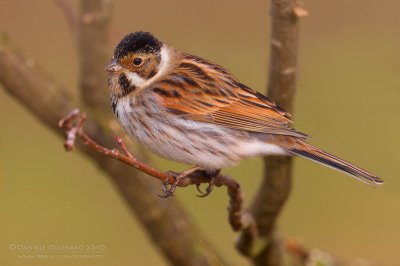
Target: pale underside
x=190, y=142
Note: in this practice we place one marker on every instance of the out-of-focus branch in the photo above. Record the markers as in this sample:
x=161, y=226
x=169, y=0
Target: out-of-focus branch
x=94, y=52
x=265, y=247
x=90, y=31
x=165, y=221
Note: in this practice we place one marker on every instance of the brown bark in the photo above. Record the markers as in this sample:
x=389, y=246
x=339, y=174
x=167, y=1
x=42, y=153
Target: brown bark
x=94, y=52
x=264, y=246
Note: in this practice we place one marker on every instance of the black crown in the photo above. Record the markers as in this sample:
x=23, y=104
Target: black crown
x=137, y=42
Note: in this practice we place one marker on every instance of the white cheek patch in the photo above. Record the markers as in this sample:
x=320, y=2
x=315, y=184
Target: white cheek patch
x=135, y=79
x=138, y=81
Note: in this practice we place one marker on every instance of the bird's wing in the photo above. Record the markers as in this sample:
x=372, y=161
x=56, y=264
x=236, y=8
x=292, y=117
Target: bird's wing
x=203, y=91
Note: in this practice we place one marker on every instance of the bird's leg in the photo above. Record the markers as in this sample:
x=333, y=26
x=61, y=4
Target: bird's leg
x=213, y=176
x=169, y=190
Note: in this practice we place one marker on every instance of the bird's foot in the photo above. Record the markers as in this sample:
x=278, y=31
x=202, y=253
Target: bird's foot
x=210, y=187
x=169, y=189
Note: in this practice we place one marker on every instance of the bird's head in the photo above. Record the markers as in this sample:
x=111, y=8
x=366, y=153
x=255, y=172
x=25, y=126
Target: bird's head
x=137, y=59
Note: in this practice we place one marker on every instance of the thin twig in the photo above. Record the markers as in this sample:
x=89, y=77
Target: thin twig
x=73, y=131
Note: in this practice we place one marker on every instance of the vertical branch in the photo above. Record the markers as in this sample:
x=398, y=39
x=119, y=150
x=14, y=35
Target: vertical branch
x=93, y=48
x=276, y=184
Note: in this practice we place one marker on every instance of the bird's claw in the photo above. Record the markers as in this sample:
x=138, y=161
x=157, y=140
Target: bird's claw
x=199, y=190
x=209, y=188
x=168, y=190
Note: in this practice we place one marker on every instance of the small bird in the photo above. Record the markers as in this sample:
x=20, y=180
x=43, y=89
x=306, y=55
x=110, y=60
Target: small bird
x=191, y=110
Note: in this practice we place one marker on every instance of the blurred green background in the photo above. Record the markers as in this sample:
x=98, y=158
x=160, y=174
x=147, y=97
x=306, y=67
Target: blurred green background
x=347, y=100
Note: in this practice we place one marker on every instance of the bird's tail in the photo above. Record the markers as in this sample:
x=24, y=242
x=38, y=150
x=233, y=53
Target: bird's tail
x=308, y=151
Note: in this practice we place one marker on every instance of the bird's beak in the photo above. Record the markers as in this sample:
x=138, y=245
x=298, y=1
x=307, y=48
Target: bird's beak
x=113, y=66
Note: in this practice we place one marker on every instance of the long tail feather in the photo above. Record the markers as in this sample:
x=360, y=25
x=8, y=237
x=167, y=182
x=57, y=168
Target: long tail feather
x=310, y=152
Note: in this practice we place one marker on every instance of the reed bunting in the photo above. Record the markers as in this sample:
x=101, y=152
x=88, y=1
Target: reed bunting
x=191, y=110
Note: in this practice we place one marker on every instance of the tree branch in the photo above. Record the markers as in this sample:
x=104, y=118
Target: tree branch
x=276, y=184
x=93, y=52
x=165, y=221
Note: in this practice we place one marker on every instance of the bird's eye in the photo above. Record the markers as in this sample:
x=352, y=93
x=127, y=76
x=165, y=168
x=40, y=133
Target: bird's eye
x=137, y=61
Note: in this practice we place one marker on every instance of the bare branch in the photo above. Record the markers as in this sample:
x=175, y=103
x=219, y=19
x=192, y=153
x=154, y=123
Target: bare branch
x=275, y=188
x=165, y=221
x=94, y=52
